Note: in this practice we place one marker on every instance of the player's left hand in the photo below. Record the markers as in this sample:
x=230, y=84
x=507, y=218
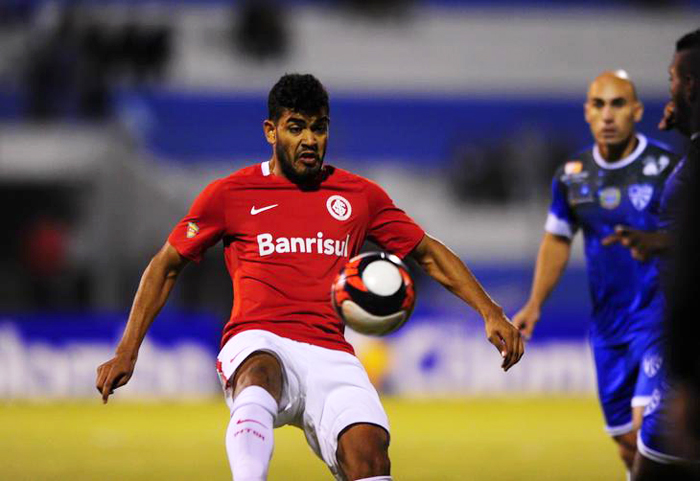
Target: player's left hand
x=643, y=245
x=507, y=339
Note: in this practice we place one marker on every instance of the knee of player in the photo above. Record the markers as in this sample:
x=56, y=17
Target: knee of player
x=627, y=446
x=369, y=464
x=366, y=455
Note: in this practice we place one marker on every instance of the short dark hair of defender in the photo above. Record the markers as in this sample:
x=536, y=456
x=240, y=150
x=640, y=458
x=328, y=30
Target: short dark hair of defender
x=301, y=93
x=689, y=41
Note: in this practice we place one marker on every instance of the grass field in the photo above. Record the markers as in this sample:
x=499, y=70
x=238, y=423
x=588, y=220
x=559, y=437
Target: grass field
x=474, y=439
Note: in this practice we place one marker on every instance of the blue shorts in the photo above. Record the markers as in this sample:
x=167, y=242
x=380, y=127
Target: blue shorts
x=653, y=436
x=626, y=379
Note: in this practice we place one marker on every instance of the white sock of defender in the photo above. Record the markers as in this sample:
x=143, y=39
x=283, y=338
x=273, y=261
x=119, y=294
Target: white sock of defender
x=376, y=478
x=249, y=439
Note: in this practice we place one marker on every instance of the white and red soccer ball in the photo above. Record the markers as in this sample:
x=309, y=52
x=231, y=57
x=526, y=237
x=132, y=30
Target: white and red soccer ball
x=374, y=293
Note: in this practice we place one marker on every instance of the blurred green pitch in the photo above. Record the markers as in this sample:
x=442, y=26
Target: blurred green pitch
x=520, y=438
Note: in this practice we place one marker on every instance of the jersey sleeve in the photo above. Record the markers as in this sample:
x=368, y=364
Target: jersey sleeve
x=203, y=226
x=560, y=219
x=390, y=227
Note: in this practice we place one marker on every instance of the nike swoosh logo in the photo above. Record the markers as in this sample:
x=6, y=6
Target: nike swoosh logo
x=254, y=211
x=240, y=421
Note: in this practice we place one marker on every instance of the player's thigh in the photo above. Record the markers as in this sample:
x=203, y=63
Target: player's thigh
x=363, y=451
x=283, y=375
x=262, y=369
x=339, y=395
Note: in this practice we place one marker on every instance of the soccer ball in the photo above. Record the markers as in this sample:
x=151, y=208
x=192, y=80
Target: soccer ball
x=374, y=293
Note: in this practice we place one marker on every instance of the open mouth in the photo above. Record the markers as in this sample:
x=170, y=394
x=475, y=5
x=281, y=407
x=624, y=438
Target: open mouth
x=308, y=158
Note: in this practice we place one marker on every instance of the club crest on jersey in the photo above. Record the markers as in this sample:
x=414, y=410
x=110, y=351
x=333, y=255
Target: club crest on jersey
x=339, y=207
x=640, y=195
x=192, y=230
x=609, y=197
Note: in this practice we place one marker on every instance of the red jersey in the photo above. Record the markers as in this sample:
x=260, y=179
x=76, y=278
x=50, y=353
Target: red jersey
x=283, y=246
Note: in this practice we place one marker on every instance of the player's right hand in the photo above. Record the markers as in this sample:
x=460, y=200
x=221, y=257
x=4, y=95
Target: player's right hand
x=526, y=319
x=668, y=121
x=114, y=374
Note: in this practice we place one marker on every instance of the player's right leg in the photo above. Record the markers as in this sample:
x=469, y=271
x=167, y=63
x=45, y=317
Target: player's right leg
x=257, y=387
x=617, y=371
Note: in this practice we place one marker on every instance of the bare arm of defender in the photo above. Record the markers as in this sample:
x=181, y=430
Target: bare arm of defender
x=552, y=258
x=443, y=265
x=156, y=283
x=644, y=245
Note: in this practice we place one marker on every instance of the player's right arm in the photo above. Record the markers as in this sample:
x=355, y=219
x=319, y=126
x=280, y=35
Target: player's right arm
x=553, y=254
x=552, y=257
x=156, y=284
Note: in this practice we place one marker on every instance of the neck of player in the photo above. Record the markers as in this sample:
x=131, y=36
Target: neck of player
x=615, y=152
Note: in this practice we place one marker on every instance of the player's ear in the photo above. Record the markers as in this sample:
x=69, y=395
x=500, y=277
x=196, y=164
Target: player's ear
x=585, y=112
x=638, y=111
x=270, y=131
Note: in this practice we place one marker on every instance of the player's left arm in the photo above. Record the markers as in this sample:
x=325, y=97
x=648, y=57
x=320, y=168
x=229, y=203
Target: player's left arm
x=443, y=265
x=643, y=245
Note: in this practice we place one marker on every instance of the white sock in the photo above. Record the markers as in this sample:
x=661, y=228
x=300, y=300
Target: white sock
x=376, y=478
x=249, y=439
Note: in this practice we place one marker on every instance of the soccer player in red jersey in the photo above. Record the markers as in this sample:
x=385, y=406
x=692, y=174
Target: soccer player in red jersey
x=288, y=226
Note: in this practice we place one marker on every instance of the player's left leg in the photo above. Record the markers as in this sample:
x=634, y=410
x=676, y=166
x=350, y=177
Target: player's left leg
x=646, y=352
x=344, y=420
x=363, y=452
x=627, y=442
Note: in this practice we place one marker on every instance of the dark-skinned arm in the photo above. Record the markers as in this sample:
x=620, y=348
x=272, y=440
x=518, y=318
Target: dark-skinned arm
x=156, y=284
x=443, y=265
x=643, y=245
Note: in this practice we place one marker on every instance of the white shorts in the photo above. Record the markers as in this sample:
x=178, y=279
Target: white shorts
x=324, y=390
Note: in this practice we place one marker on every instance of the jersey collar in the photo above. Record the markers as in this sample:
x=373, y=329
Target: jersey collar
x=265, y=166
x=618, y=164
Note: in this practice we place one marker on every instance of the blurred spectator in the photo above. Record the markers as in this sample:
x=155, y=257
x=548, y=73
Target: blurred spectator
x=15, y=12
x=261, y=30
x=73, y=66
x=480, y=174
x=52, y=68
x=379, y=9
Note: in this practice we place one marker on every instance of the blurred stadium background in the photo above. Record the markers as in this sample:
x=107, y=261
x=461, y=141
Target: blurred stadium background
x=114, y=114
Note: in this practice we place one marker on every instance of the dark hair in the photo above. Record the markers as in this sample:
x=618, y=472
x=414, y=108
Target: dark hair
x=301, y=93
x=689, y=41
